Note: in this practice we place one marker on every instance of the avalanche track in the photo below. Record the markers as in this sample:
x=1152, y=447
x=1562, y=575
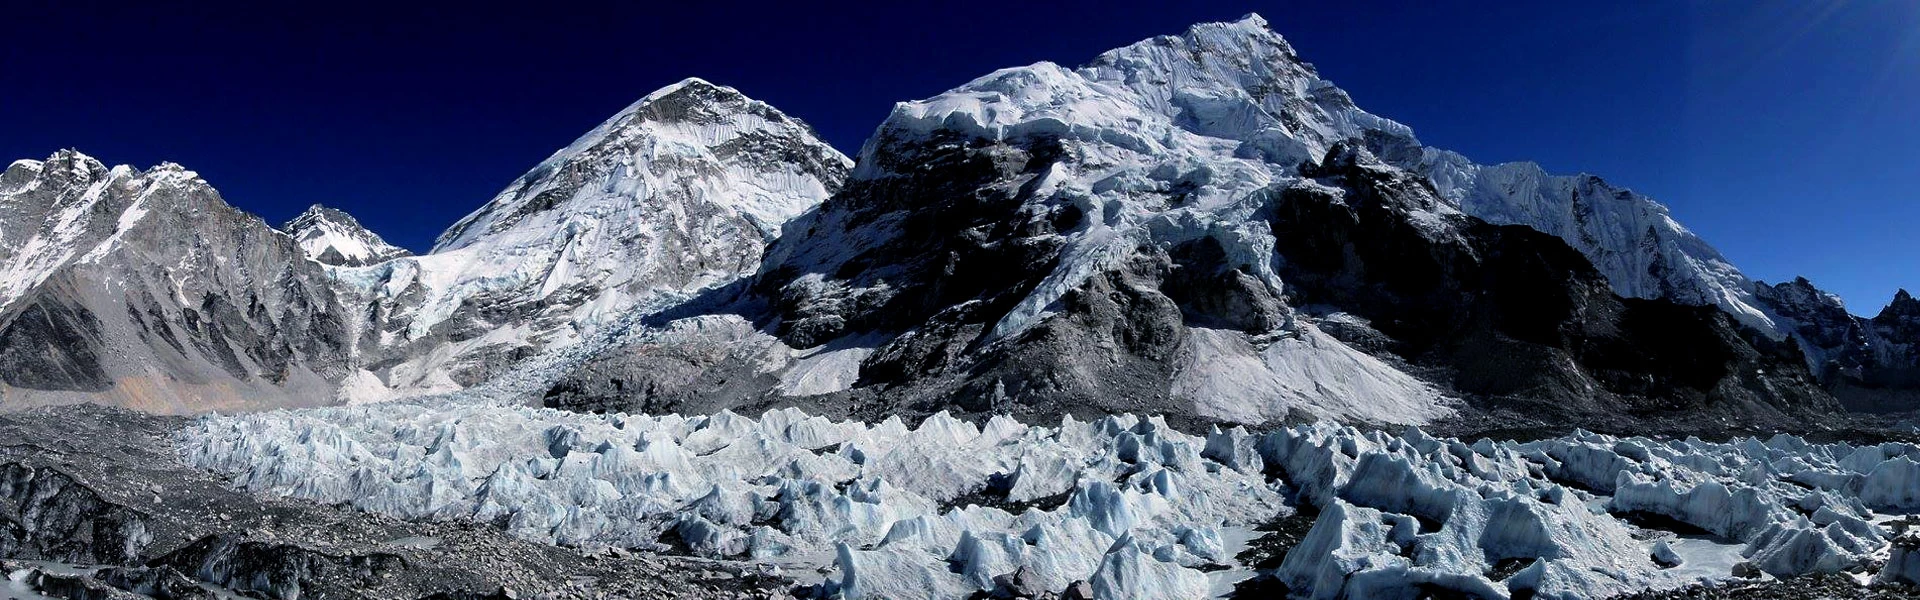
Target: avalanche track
x=1125, y=504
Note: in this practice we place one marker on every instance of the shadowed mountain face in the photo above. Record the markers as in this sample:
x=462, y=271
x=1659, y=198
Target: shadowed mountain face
x=1514, y=315
x=1871, y=364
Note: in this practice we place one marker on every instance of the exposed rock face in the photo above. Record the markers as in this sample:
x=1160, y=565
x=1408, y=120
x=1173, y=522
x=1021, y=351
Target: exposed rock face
x=336, y=238
x=1896, y=335
x=1630, y=238
x=1508, y=312
x=145, y=288
x=46, y=515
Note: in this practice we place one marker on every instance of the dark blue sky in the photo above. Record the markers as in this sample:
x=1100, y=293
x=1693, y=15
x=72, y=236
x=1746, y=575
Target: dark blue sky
x=1786, y=132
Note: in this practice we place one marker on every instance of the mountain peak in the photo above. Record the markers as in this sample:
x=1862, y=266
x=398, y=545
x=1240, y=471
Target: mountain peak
x=72, y=165
x=1903, y=306
x=315, y=215
x=333, y=237
x=694, y=100
x=1249, y=25
x=728, y=135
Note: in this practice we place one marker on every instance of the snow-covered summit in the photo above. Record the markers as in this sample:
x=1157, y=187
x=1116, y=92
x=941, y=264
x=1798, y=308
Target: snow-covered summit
x=1242, y=86
x=673, y=131
x=72, y=208
x=678, y=192
x=334, y=237
x=145, y=288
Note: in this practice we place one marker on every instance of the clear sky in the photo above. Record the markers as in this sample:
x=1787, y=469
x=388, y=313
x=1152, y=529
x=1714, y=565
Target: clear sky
x=1786, y=132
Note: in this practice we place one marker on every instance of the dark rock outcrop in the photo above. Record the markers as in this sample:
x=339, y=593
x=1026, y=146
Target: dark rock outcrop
x=46, y=515
x=1512, y=314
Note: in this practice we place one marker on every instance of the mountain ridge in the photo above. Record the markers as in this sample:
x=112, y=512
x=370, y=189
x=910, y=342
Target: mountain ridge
x=970, y=245
x=400, y=325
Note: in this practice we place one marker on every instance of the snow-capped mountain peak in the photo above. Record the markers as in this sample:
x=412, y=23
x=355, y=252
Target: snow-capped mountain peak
x=690, y=126
x=677, y=192
x=145, y=288
x=334, y=237
x=1242, y=85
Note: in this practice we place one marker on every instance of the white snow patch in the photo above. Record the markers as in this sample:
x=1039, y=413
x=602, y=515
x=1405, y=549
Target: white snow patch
x=1230, y=379
x=832, y=367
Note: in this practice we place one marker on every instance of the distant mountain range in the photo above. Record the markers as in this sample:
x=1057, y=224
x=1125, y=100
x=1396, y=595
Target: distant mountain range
x=1194, y=225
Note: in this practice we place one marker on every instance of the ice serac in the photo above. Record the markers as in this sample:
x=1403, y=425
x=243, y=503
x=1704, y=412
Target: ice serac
x=678, y=192
x=333, y=237
x=1129, y=506
x=144, y=288
x=1112, y=237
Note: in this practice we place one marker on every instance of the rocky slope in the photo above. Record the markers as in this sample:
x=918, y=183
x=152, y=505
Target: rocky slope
x=1169, y=229
x=144, y=288
x=336, y=238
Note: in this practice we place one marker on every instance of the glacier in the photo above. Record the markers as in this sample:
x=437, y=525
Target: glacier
x=948, y=508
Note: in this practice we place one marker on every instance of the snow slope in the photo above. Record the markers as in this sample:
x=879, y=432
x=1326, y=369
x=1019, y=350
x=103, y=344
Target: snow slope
x=946, y=508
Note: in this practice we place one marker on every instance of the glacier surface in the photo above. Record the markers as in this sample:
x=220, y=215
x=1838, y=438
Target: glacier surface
x=1134, y=508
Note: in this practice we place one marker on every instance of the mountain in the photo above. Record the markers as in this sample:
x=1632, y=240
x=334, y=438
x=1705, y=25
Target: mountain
x=1074, y=282
x=144, y=288
x=1628, y=237
x=336, y=238
x=678, y=192
x=1151, y=232
x=1871, y=364
x=1147, y=232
